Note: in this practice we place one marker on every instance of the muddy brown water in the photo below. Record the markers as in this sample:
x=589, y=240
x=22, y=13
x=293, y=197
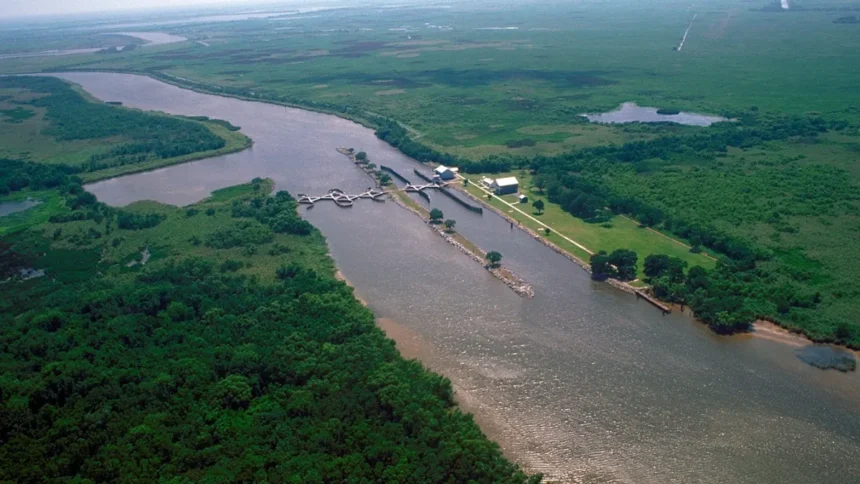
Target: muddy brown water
x=583, y=382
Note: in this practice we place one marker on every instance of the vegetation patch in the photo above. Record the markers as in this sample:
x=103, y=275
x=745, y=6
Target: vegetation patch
x=17, y=115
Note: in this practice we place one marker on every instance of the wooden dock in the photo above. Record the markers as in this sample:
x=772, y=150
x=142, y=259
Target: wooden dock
x=656, y=303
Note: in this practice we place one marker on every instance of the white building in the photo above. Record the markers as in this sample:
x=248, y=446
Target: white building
x=445, y=173
x=505, y=186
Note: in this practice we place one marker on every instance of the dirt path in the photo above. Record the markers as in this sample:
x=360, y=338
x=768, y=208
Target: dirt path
x=687, y=32
x=528, y=216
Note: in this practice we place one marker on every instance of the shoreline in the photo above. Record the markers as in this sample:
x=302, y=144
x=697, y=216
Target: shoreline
x=760, y=328
x=576, y=260
x=412, y=346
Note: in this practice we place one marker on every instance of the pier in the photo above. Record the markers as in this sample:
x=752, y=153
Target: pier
x=662, y=307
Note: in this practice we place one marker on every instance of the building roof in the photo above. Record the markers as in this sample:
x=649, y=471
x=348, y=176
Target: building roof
x=442, y=169
x=506, y=182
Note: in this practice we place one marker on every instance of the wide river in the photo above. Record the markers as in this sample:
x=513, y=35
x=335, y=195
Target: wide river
x=582, y=382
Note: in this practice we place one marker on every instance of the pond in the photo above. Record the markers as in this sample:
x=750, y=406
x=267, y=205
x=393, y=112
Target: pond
x=14, y=206
x=631, y=113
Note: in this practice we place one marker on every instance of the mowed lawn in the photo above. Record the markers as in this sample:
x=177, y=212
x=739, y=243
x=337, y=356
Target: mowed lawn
x=620, y=233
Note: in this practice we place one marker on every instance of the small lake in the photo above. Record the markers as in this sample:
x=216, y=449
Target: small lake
x=633, y=113
x=152, y=38
x=8, y=208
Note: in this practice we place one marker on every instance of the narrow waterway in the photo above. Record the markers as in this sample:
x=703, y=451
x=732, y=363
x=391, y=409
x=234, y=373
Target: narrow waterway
x=582, y=382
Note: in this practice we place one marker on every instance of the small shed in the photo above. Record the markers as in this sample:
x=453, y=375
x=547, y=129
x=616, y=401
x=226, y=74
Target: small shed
x=506, y=186
x=523, y=198
x=445, y=173
x=487, y=182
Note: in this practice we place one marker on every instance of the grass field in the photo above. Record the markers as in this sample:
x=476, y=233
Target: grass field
x=620, y=233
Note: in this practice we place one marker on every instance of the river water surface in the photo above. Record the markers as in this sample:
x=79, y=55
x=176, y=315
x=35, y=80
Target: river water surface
x=582, y=382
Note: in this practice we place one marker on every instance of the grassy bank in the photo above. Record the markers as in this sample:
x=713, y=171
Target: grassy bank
x=619, y=233
x=51, y=204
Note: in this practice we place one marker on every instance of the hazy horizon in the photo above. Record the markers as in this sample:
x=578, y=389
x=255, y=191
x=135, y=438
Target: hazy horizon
x=29, y=8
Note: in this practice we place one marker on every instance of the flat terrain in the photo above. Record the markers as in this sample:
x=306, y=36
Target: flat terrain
x=508, y=84
x=618, y=233
x=45, y=120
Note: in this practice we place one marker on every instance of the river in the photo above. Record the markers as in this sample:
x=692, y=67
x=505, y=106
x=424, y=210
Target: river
x=582, y=382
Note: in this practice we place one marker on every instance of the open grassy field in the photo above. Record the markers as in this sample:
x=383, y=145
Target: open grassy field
x=619, y=233
x=478, y=75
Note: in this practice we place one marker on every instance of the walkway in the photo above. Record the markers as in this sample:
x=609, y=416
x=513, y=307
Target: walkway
x=342, y=199
x=481, y=187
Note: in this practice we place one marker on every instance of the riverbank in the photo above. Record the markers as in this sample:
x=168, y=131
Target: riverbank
x=511, y=279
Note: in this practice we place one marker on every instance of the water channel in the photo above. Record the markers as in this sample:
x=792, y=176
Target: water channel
x=582, y=382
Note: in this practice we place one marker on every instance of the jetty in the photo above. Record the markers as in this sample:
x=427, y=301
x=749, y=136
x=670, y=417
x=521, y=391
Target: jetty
x=659, y=305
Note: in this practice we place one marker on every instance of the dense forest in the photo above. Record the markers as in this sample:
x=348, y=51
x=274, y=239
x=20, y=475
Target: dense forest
x=16, y=175
x=233, y=355
x=144, y=136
